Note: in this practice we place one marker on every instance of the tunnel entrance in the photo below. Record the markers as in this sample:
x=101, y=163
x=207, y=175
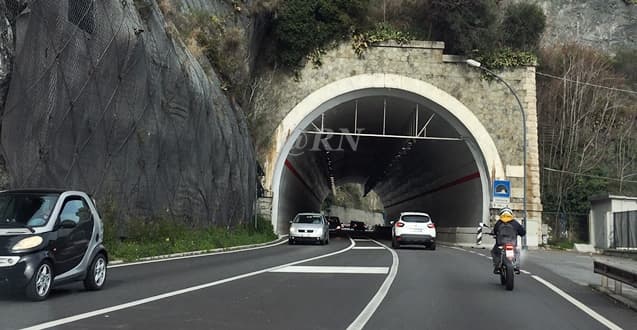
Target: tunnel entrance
x=417, y=151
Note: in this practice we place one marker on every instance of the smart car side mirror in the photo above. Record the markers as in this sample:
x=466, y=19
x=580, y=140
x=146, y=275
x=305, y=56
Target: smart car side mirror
x=68, y=224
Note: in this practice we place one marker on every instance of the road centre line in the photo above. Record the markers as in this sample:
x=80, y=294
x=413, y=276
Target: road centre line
x=373, y=304
x=134, y=303
x=197, y=255
x=578, y=304
x=333, y=270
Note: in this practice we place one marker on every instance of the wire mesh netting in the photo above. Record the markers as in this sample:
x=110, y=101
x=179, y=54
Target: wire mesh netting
x=103, y=99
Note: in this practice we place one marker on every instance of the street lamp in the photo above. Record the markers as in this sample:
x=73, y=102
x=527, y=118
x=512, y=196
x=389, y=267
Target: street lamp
x=478, y=65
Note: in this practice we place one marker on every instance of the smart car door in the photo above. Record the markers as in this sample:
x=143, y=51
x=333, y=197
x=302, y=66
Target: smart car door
x=72, y=241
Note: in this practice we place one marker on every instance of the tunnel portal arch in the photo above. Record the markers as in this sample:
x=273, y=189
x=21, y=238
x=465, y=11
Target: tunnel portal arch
x=478, y=140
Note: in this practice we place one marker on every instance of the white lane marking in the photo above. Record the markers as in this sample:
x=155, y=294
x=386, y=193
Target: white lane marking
x=373, y=304
x=362, y=239
x=197, y=255
x=578, y=304
x=524, y=272
x=457, y=248
x=333, y=270
x=368, y=248
x=490, y=258
x=134, y=303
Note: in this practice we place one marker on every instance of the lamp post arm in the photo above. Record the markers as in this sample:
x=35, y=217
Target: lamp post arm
x=524, y=215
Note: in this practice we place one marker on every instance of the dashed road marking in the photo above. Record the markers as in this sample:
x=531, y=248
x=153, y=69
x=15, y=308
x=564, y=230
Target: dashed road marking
x=333, y=270
x=368, y=248
x=138, y=302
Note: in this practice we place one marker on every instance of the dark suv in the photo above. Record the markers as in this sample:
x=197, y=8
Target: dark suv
x=357, y=225
x=335, y=223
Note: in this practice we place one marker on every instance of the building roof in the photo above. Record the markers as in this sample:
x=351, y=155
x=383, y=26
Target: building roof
x=608, y=196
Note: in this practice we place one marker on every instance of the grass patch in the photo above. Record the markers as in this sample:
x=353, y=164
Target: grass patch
x=562, y=245
x=146, y=238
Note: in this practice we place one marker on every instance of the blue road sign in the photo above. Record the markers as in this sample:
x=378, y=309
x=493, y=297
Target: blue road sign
x=502, y=189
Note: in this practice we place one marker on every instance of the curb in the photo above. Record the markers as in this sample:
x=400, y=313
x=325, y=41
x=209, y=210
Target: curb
x=192, y=253
x=618, y=298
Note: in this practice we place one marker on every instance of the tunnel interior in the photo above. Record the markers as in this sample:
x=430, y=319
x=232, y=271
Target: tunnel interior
x=409, y=151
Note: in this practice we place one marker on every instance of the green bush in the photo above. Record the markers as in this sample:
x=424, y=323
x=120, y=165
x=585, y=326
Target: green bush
x=522, y=26
x=306, y=26
x=464, y=25
x=159, y=236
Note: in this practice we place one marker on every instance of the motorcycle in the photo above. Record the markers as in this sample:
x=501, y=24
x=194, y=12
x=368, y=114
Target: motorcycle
x=507, y=263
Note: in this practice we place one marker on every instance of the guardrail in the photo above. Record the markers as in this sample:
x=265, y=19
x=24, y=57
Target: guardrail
x=620, y=275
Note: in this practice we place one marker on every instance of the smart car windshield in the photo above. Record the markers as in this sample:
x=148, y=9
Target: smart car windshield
x=308, y=218
x=26, y=209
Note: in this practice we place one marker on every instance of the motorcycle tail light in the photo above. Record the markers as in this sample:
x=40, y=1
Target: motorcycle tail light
x=508, y=246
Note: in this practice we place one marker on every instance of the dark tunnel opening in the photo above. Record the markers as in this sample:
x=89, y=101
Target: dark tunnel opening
x=401, y=148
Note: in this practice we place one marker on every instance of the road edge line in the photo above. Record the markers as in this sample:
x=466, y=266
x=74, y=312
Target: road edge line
x=604, y=321
x=86, y=315
x=378, y=298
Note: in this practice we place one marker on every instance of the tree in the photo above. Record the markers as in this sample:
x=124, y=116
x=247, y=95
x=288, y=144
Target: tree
x=464, y=25
x=304, y=26
x=580, y=125
x=522, y=26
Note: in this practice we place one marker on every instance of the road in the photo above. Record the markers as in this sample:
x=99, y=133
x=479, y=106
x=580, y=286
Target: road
x=348, y=283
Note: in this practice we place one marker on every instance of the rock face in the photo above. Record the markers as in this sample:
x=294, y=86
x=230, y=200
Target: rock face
x=602, y=24
x=104, y=100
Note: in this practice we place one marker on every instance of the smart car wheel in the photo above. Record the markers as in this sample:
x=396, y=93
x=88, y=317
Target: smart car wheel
x=40, y=285
x=96, y=275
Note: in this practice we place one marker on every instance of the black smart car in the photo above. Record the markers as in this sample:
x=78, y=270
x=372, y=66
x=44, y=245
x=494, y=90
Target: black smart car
x=49, y=238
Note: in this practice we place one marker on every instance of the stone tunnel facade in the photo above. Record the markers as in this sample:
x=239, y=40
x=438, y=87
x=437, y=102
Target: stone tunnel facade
x=489, y=112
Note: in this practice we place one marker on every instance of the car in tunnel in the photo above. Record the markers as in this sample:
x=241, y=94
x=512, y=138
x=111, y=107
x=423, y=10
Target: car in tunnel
x=414, y=228
x=309, y=227
x=334, y=223
x=357, y=225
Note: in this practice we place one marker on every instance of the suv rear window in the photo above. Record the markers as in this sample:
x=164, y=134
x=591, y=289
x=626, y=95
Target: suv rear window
x=416, y=218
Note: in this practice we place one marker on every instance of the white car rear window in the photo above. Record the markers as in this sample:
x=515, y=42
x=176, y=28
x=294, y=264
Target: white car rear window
x=416, y=218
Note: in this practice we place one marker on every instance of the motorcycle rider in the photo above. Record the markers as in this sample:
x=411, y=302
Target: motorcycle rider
x=506, y=230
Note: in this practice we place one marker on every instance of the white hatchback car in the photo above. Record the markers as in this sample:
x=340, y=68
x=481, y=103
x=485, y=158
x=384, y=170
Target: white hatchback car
x=309, y=227
x=413, y=228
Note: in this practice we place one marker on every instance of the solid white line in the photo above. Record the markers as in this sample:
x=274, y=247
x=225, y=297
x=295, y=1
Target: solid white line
x=457, y=248
x=333, y=270
x=578, y=304
x=373, y=304
x=196, y=255
x=362, y=240
x=134, y=303
x=524, y=272
x=368, y=248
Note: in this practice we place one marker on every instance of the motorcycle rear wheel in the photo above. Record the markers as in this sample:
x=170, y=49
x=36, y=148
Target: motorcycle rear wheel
x=509, y=277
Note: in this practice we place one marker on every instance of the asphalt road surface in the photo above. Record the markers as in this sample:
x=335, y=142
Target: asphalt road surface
x=350, y=283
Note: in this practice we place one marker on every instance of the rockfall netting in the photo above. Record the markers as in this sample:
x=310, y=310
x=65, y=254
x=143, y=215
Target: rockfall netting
x=105, y=99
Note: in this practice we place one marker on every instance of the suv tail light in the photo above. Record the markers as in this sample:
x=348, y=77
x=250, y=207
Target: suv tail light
x=431, y=225
x=400, y=224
